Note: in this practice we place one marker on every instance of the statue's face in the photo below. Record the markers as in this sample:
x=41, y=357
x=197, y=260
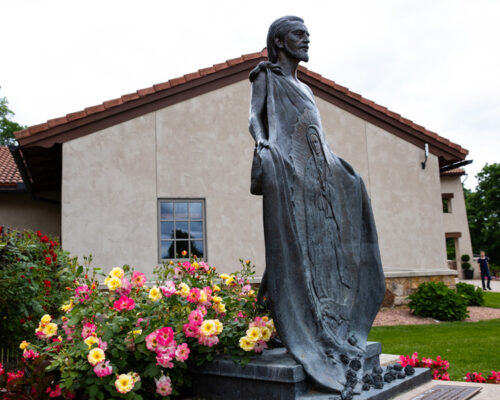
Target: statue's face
x=296, y=41
x=315, y=144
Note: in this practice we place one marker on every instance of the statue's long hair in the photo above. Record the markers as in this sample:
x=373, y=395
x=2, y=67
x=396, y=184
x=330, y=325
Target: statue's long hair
x=278, y=29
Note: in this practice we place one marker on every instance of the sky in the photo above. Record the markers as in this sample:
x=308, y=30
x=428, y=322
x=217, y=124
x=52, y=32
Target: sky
x=434, y=62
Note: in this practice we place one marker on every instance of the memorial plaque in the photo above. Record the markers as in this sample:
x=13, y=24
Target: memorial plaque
x=448, y=392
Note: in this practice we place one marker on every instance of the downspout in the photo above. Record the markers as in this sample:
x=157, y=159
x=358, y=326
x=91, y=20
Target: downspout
x=23, y=170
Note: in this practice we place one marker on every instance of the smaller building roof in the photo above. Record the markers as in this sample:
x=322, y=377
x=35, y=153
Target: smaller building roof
x=9, y=173
x=454, y=172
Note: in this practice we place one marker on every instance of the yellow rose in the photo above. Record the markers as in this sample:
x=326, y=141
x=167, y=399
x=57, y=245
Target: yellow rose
x=270, y=325
x=155, y=294
x=46, y=319
x=247, y=344
x=117, y=273
x=136, y=332
x=216, y=288
x=184, y=289
x=96, y=356
x=218, y=326
x=113, y=283
x=254, y=334
x=216, y=299
x=221, y=308
x=265, y=318
x=24, y=344
x=229, y=281
x=90, y=341
x=203, y=297
x=124, y=383
x=50, y=329
x=208, y=328
x=224, y=276
x=195, y=265
x=266, y=333
x=251, y=293
x=68, y=307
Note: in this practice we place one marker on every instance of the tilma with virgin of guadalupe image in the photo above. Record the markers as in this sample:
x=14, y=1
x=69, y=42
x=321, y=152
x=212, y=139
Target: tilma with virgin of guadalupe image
x=323, y=280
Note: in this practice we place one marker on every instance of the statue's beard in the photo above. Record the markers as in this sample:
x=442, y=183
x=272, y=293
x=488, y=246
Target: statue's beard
x=300, y=55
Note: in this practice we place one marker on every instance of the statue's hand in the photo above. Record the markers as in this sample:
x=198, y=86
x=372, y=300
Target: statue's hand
x=262, y=143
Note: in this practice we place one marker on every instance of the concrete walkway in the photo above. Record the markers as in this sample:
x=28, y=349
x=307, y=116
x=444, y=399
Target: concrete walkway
x=495, y=285
x=488, y=391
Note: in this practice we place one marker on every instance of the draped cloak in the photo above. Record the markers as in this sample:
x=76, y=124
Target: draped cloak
x=323, y=279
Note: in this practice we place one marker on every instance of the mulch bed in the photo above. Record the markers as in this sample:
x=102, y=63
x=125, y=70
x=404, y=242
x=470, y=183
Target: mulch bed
x=403, y=316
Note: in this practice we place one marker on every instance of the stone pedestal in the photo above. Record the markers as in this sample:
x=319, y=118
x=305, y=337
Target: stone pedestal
x=275, y=375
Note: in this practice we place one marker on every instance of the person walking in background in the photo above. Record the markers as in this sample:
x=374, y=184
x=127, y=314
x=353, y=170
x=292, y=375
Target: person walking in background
x=483, y=262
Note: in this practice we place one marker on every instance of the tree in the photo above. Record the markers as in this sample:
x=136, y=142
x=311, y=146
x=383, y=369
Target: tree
x=483, y=212
x=7, y=126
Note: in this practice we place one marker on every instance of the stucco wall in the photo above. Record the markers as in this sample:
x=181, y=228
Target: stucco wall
x=456, y=221
x=201, y=148
x=406, y=199
x=109, y=195
x=21, y=211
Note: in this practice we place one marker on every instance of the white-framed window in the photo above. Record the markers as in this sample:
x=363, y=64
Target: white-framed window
x=181, y=228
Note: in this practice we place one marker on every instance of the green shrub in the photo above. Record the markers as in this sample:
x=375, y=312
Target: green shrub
x=34, y=274
x=472, y=295
x=465, y=261
x=436, y=300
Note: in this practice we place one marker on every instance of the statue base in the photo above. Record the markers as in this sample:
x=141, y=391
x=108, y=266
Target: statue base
x=276, y=375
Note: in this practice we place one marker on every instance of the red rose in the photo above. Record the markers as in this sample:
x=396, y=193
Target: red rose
x=44, y=239
x=22, y=276
x=22, y=321
x=39, y=234
x=47, y=283
x=48, y=260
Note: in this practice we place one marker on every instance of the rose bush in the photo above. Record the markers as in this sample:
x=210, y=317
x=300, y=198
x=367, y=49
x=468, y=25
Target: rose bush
x=134, y=339
x=478, y=377
x=34, y=274
x=439, y=367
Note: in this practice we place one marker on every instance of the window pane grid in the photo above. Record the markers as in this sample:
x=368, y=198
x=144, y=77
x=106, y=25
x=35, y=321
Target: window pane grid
x=181, y=228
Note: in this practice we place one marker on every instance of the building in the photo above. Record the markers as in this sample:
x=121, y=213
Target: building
x=167, y=168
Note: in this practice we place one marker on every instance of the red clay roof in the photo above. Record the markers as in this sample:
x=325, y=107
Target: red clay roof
x=141, y=93
x=454, y=172
x=9, y=174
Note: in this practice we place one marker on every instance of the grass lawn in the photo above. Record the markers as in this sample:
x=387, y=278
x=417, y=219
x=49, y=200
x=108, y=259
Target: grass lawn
x=492, y=299
x=468, y=346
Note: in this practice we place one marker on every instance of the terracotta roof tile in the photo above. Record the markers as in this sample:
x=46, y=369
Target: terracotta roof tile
x=146, y=91
x=130, y=97
x=94, y=109
x=56, y=121
x=76, y=115
x=192, y=75
x=218, y=67
x=454, y=172
x=235, y=61
x=162, y=86
x=221, y=66
x=112, y=103
x=206, y=71
x=9, y=174
x=38, y=128
x=177, y=81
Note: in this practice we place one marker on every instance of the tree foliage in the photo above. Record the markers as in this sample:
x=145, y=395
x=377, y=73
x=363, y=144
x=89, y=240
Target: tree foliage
x=7, y=126
x=483, y=212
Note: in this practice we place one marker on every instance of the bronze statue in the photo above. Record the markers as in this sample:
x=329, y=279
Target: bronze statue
x=323, y=280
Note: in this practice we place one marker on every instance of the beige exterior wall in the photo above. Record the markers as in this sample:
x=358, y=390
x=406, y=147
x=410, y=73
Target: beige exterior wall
x=109, y=195
x=201, y=148
x=21, y=211
x=456, y=220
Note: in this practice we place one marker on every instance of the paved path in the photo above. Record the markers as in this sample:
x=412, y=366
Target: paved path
x=495, y=285
x=488, y=390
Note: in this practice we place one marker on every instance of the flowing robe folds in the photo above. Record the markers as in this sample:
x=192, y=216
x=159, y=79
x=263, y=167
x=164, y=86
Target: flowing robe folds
x=323, y=280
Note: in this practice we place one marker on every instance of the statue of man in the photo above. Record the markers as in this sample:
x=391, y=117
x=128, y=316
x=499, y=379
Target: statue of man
x=323, y=280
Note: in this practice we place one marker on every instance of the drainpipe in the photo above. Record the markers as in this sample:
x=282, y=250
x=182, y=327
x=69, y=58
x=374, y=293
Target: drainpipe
x=23, y=170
